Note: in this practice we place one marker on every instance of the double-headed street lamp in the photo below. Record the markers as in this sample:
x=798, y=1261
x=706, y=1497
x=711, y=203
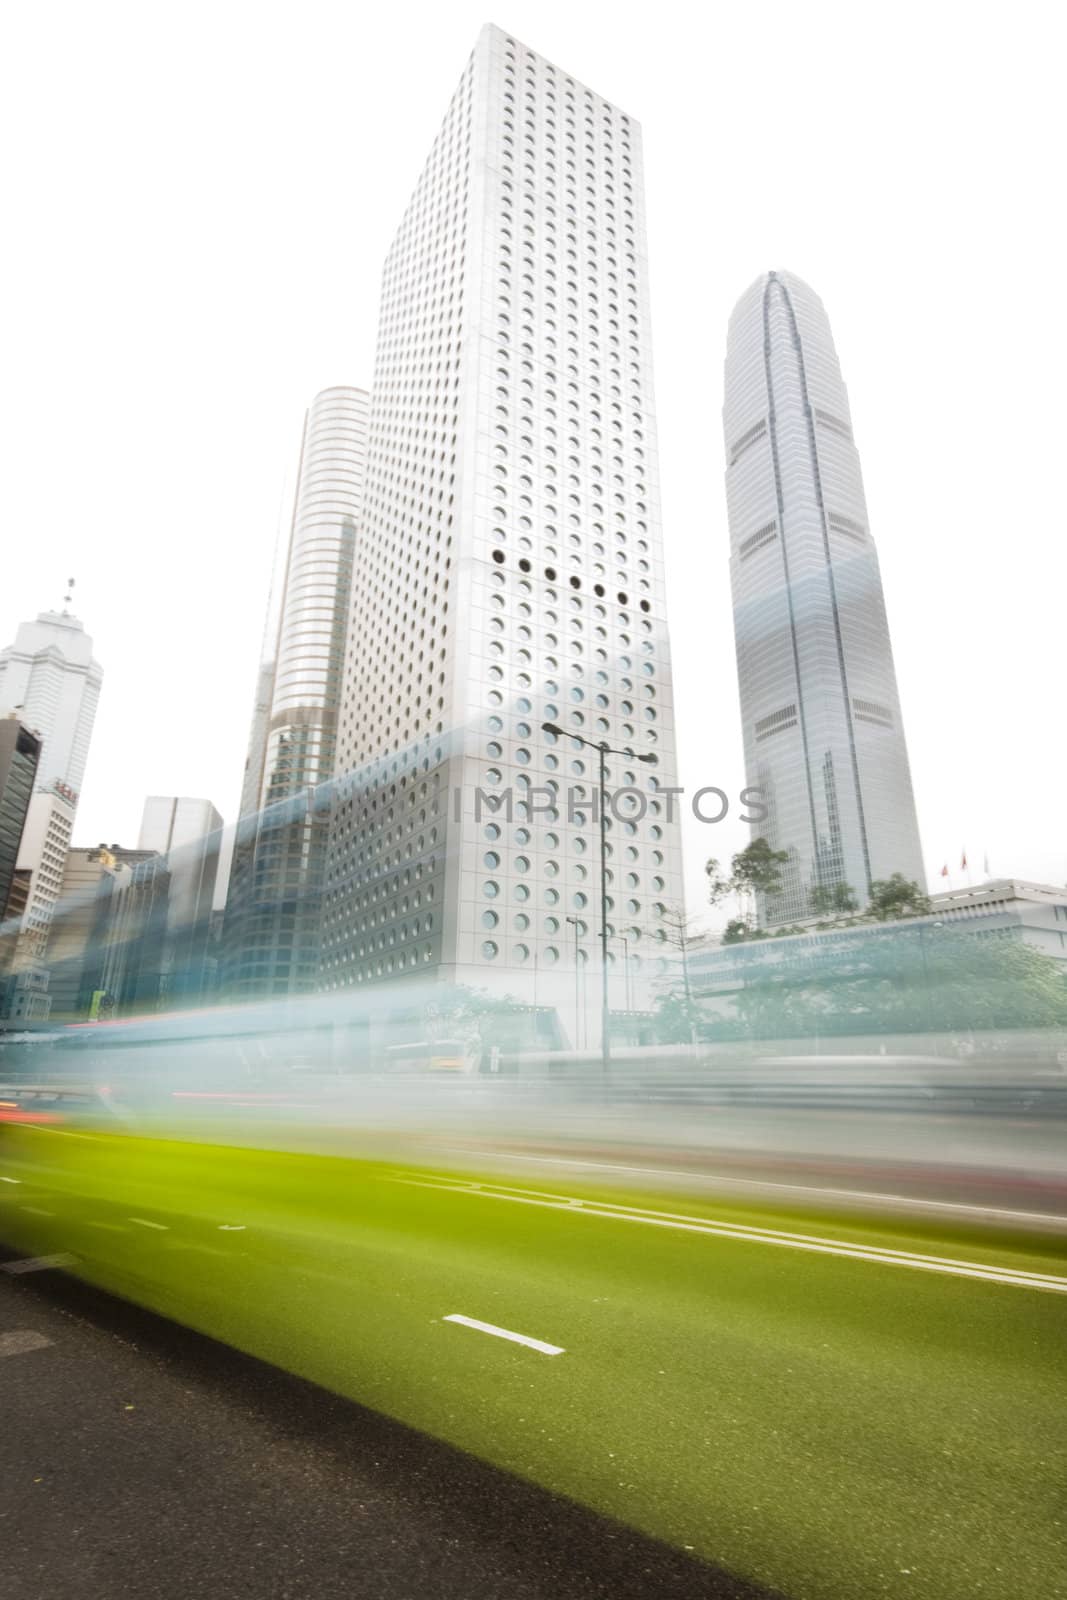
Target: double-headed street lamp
x=603, y=751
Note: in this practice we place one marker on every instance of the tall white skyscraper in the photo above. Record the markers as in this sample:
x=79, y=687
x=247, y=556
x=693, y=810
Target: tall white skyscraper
x=274, y=909
x=508, y=567
x=50, y=677
x=822, y=727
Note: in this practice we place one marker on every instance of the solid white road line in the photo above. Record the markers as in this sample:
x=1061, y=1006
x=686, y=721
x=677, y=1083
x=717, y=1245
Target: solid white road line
x=38, y=1263
x=142, y=1222
x=729, y=1179
x=505, y=1333
x=21, y=1340
x=814, y=1244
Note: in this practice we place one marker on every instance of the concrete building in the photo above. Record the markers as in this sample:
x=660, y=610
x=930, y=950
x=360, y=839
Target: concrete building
x=42, y=858
x=20, y=752
x=50, y=678
x=274, y=908
x=821, y=716
x=1035, y=913
x=172, y=822
x=509, y=566
x=91, y=876
x=160, y=935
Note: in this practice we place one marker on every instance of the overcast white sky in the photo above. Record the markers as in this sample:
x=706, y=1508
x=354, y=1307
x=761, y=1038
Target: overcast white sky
x=197, y=201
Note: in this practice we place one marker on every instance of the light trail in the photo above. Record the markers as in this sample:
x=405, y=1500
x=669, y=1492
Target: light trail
x=814, y=1244
x=730, y=1180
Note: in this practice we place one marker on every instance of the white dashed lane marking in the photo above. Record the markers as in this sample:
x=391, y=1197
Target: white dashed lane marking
x=506, y=1333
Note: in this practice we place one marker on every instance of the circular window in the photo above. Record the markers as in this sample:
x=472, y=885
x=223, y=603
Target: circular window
x=489, y=950
x=489, y=919
x=490, y=889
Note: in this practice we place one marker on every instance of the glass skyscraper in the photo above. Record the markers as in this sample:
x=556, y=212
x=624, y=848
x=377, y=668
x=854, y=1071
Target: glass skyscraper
x=274, y=908
x=822, y=727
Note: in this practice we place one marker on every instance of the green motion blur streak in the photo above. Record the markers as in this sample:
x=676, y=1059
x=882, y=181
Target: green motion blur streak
x=829, y=1426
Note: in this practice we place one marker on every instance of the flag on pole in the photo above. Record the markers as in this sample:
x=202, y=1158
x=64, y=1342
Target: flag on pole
x=944, y=870
x=963, y=859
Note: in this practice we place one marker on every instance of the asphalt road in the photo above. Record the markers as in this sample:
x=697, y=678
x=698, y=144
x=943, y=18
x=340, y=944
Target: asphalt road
x=835, y=1406
x=139, y=1459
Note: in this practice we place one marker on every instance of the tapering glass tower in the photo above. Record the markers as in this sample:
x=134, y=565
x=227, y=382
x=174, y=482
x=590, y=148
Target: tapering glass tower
x=509, y=567
x=274, y=910
x=822, y=726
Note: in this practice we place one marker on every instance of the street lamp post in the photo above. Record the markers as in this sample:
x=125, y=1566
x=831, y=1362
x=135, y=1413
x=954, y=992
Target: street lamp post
x=603, y=750
x=926, y=975
x=576, y=921
x=620, y=938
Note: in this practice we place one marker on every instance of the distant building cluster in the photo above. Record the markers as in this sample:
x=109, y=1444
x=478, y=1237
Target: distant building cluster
x=469, y=623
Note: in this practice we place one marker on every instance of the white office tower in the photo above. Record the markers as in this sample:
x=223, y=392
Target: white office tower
x=172, y=822
x=822, y=725
x=50, y=676
x=274, y=911
x=509, y=568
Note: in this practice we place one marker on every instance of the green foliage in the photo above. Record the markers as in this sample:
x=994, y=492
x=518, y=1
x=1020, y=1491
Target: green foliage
x=897, y=896
x=904, y=980
x=757, y=868
x=719, y=888
x=754, y=870
x=677, y=1020
x=830, y=897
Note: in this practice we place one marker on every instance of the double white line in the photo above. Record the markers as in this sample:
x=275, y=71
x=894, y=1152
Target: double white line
x=985, y=1273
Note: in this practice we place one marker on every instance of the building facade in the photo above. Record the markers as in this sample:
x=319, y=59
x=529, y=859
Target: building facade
x=92, y=876
x=20, y=752
x=274, y=910
x=50, y=678
x=821, y=715
x=509, y=567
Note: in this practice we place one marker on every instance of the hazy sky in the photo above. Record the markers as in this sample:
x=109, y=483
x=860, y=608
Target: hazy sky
x=197, y=201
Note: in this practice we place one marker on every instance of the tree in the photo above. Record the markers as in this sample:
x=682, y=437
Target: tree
x=757, y=868
x=681, y=932
x=830, y=897
x=474, y=1016
x=905, y=980
x=754, y=870
x=719, y=887
x=897, y=896
x=678, y=1018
